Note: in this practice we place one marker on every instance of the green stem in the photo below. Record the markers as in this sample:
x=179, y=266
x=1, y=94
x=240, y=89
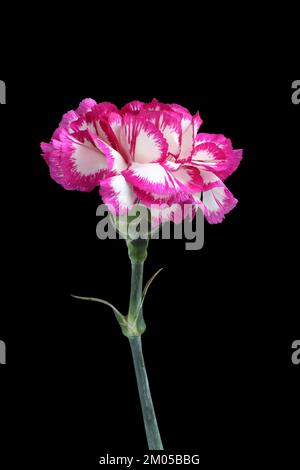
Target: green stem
x=137, y=251
x=137, y=269
x=150, y=422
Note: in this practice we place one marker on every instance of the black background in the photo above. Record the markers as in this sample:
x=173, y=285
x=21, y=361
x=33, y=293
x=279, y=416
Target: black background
x=221, y=321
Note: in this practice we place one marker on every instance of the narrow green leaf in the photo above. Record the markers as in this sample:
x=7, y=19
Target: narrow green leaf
x=147, y=287
x=119, y=316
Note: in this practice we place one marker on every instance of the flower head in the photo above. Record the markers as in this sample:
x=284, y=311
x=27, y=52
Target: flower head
x=145, y=153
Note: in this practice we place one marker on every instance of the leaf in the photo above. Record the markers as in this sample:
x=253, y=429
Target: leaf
x=147, y=287
x=119, y=316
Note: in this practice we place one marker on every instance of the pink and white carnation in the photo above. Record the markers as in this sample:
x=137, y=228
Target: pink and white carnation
x=145, y=153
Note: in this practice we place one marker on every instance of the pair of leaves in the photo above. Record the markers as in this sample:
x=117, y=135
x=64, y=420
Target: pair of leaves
x=121, y=318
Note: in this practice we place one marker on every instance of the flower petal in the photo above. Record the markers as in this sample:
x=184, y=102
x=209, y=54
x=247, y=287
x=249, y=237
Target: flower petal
x=115, y=161
x=208, y=179
x=165, y=208
x=177, y=108
x=114, y=125
x=133, y=107
x=215, y=152
x=190, y=177
x=97, y=121
x=216, y=203
x=149, y=198
x=154, y=177
x=75, y=164
x=72, y=116
x=169, y=125
x=155, y=105
x=117, y=192
x=176, y=212
x=188, y=126
x=52, y=156
x=141, y=141
x=197, y=123
x=67, y=119
x=85, y=106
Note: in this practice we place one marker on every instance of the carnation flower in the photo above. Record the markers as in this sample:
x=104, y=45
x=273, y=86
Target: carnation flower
x=145, y=153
